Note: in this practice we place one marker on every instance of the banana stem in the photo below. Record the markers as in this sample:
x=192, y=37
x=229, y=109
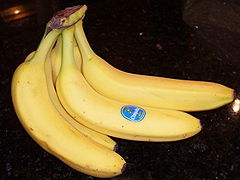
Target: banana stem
x=46, y=43
x=62, y=20
x=68, y=49
x=85, y=48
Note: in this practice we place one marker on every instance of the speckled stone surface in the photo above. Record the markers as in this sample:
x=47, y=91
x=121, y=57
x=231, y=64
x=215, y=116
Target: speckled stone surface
x=145, y=37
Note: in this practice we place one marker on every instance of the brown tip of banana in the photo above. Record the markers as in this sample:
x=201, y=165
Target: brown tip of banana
x=115, y=148
x=124, y=167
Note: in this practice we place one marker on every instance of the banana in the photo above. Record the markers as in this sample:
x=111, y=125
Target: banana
x=95, y=136
x=112, y=117
x=46, y=125
x=145, y=90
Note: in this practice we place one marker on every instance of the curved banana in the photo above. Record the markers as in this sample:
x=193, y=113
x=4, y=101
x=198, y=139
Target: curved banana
x=112, y=117
x=95, y=136
x=145, y=90
x=48, y=128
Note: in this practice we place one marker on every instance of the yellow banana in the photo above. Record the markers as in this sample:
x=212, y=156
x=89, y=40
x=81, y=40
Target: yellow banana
x=46, y=125
x=145, y=90
x=95, y=136
x=112, y=117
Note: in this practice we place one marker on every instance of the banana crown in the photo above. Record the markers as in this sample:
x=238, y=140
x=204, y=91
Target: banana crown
x=62, y=20
x=68, y=17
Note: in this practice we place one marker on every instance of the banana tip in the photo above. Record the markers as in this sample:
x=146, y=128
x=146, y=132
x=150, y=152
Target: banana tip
x=124, y=167
x=115, y=148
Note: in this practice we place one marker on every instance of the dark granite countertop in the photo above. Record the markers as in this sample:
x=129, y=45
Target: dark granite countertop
x=145, y=37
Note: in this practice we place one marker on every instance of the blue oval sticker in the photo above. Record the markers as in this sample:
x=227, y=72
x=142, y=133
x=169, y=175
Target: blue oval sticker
x=133, y=113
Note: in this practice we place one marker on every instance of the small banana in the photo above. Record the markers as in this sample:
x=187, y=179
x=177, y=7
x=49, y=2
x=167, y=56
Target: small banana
x=95, y=136
x=44, y=123
x=112, y=117
x=145, y=90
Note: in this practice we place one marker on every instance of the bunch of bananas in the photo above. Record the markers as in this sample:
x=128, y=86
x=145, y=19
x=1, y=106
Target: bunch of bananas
x=71, y=101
